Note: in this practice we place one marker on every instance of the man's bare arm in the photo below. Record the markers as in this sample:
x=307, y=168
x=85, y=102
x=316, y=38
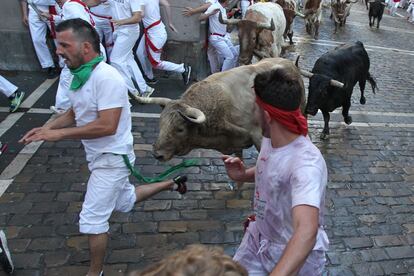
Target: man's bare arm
x=105, y=125
x=135, y=18
x=305, y=230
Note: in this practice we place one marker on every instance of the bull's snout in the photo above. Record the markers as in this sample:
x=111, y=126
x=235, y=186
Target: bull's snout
x=158, y=156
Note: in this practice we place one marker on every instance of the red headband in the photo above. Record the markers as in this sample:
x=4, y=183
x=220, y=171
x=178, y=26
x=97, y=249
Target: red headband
x=294, y=120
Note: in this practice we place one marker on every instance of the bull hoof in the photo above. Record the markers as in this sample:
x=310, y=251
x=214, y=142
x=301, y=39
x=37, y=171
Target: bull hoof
x=362, y=100
x=348, y=120
x=324, y=136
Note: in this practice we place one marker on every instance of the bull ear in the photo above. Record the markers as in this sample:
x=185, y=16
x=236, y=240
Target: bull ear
x=192, y=114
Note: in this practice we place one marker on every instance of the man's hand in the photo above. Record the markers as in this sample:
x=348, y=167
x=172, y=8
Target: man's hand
x=215, y=11
x=25, y=20
x=235, y=167
x=173, y=28
x=41, y=134
x=188, y=11
x=116, y=22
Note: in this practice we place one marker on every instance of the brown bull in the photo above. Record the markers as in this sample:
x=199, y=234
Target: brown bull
x=340, y=10
x=260, y=33
x=215, y=113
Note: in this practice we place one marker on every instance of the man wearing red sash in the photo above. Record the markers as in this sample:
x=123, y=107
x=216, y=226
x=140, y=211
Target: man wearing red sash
x=150, y=47
x=287, y=235
x=101, y=14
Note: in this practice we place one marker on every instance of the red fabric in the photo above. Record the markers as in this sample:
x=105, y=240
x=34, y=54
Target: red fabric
x=294, y=120
x=248, y=220
x=105, y=17
x=222, y=35
x=86, y=9
x=149, y=44
x=52, y=12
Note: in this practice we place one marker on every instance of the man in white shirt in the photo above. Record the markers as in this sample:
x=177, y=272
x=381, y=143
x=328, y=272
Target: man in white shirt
x=101, y=14
x=126, y=15
x=217, y=34
x=100, y=110
x=213, y=58
x=150, y=47
x=38, y=27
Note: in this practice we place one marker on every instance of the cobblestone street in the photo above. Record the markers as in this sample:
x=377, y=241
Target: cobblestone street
x=370, y=193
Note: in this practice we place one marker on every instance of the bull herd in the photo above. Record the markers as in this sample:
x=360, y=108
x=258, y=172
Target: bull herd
x=218, y=112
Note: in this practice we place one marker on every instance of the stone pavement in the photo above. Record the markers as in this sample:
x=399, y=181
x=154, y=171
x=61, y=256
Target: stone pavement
x=370, y=195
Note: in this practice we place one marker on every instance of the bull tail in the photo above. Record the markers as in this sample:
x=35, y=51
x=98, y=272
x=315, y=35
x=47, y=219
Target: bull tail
x=372, y=82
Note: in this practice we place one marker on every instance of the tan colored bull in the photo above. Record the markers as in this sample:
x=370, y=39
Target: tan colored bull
x=260, y=32
x=215, y=113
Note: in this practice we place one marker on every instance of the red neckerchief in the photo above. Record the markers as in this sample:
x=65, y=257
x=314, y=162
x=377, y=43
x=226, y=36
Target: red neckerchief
x=294, y=120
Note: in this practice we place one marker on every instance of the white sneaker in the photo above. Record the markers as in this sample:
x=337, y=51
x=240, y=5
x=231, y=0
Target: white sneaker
x=148, y=92
x=56, y=110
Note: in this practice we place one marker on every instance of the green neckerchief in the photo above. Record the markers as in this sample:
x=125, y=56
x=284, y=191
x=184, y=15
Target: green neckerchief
x=83, y=72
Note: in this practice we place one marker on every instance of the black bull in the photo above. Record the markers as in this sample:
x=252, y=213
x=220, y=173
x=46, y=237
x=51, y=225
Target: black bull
x=347, y=64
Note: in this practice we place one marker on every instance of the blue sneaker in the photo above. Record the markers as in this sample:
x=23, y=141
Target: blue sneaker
x=16, y=101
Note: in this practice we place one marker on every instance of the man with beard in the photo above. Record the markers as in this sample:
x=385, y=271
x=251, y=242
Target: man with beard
x=100, y=110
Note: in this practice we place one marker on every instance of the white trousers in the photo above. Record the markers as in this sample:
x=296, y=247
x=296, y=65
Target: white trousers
x=6, y=87
x=393, y=7
x=123, y=59
x=105, y=30
x=224, y=48
x=410, y=12
x=243, y=6
x=158, y=36
x=38, y=30
x=214, y=59
x=108, y=189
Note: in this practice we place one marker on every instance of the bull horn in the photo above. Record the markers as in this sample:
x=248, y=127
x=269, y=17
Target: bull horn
x=306, y=73
x=332, y=82
x=227, y=21
x=192, y=114
x=297, y=61
x=265, y=26
x=160, y=101
x=336, y=83
x=300, y=14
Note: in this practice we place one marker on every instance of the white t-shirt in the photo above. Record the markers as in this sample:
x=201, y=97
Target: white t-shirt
x=214, y=24
x=122, y=9
x=71, y=10
x=211, y=1
x=42, y=5
x=151, y=12
x=288, y=176
x=105, y=89
x=101, y=10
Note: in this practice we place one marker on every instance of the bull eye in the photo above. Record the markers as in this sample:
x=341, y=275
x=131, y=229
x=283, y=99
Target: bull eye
x=180, y=129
